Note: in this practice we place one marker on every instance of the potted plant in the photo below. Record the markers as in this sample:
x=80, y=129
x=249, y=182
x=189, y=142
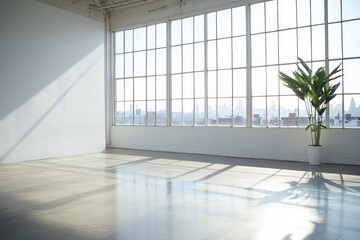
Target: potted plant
x=315, y=89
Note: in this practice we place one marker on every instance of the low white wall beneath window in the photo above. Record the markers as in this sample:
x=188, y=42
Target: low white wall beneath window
x=341, y=145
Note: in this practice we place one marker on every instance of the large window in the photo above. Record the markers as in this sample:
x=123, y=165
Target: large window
x=140, y=76
x=188, y=72
x=344, y=47
x=226, y=65
x=212, y=87
x=219, y=63
x=285, y=30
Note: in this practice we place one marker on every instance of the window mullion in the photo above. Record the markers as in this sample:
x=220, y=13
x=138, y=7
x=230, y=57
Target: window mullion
x=232, y=70
x=248, y=68
x=168, y=76
x=326, y=21
x=193, y=74
x=206, y=111
x=133, y=77
x=217, y=70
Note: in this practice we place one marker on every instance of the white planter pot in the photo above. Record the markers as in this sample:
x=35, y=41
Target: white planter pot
x=314, y=154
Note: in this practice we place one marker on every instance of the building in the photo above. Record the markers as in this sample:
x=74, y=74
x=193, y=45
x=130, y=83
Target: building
x=293, y=120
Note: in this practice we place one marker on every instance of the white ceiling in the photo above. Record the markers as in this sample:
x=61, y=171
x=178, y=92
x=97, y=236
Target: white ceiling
x=96, y=7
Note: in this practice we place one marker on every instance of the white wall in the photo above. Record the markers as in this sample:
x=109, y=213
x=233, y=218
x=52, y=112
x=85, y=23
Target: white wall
x=51, y=82
x=341, y=145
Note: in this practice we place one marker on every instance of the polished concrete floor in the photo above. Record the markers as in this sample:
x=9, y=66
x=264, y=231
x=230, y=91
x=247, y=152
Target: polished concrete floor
x=127, y=194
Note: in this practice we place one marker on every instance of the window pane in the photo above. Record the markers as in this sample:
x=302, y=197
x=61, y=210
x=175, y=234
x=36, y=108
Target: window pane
x=151, y=113
x=151, y=88
x=258, y=49
x=188, y=85
x=351, y=9
x=176, y=115
x=287, y=44
x=272, y=48
x=199, y=56
x=352, y=111
x=199, y=85
x=289, y=111
x=128, y=41
x=151, y=62
x=211, y=55
x=317, y=11
x=119, y=42
x=140, y=113
x=120, y=113
x=224, y=53
x=224, y=23
x=161, y=113
x=336, y=112
x=333, y=65
x=161, y=87
x=139, y=39
x=303, y=8
x=199, y=28
x=188, y=112
x=151, y=37
x=175, y=32
x=318, y=43
x=271, y=15
x=161, y=61
x=120, y=90
x=212, y=111
x=212, y=84
x=211, y=25
x=188, y=30
x=239, y=81
x=239, y=52
x=225, y=112
x=140, y=88
x=161, y=35
x=287, y=69
x=199, y=112
x=304, y=43
x=176, y=59
x=351, y=76
x=129, y=90
x=303, y=117
x=239, y=112
x=272, y=112
x=176, y=86
x=258, y=81
x=317, y=65
x=129, y=113
x=257, y=18
x=287, y=14
x=188, y=58
x=140, y=63
x=224, y=83
x=119, y=66
x=259, y=111
x=334, y=9
x=335, y=41
x=128, y=65
x=351, y=38
x=272, y=80
x=238, y=21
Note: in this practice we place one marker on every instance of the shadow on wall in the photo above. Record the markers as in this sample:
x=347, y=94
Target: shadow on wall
x=47, y=112
x=45, y=53
x=38, y=44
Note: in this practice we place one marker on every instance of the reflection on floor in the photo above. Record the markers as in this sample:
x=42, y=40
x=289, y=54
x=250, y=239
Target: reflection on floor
x=128, y=194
